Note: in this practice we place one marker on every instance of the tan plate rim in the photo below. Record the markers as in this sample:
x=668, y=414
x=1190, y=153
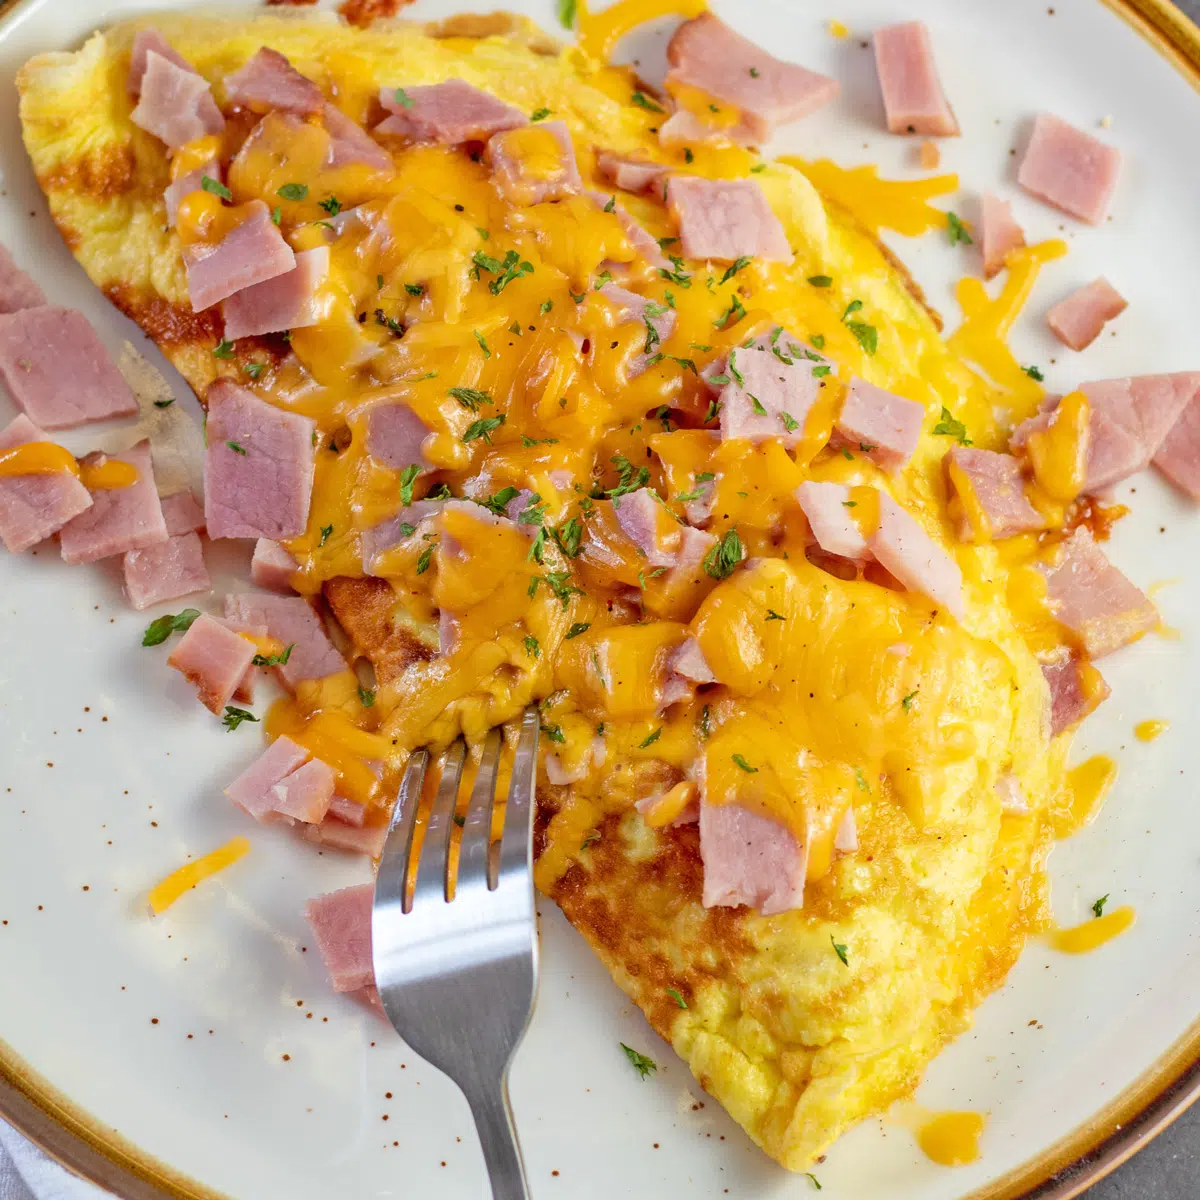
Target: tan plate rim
x=88, y=1148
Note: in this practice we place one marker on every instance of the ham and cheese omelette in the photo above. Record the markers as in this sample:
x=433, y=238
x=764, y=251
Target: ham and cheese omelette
x=546, y=409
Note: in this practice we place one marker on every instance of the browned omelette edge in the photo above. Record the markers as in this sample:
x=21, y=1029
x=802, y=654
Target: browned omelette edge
x=88, y=1148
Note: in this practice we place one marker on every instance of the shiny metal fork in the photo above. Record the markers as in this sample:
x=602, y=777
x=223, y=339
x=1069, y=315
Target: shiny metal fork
x=457, y=977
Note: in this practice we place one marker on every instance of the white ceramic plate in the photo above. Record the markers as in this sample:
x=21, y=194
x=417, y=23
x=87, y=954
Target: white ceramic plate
x=208, y=1040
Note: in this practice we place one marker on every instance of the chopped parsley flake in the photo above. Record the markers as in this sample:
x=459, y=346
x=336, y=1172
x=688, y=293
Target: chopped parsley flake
x=253, y=369
x=754, y=72
x=407, y=478
x=293, y=191
x=732, y=315
x=545, y=307
x=839, y=949
x=907, y=702
x=223, y=349
x=274, y=660
x=470, y=398
x=721, y=560
x=950, y=426
x=643, y=101
x=772, y=615
x=813, y=1180
x=423, y=560
x=592, y=835
x=168, y=403
x=677, y=997
x=161, y=628
x=1034, y=373
x=821, y=281
x=532, y=647
x=758, y=404
x=554, y=733
x=861, y=780
x=482, y=344
x=643, y=1065
x=1098, y=907
x=332, y=205
x=326, y=531
x=483, y=428
x=403, y=98
x=568, y=536
x=366, y=696
x=957, y=231
x=567, y=12
x=737, y=265
x=236, y=447
x=745, y=766
x=216, y=187
x=650, y=738
x=415, y=289
x=539, y=114
x=612, y=204
x=630, y=477
x=789, y=422
x=235, y=716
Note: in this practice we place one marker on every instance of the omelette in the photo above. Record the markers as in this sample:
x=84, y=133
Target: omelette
x=582, y=442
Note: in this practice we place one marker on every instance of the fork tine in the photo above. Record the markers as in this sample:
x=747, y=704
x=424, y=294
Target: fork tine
x=391, y=882
x=477, y=831
x=516, y=845
x=433, y=868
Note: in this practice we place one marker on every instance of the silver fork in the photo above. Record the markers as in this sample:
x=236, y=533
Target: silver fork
x=457, y=977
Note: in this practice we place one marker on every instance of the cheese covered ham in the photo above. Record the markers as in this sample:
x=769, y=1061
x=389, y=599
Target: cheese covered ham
x=693, y=472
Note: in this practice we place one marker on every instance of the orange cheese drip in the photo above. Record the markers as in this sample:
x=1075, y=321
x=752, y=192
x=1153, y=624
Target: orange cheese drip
x=1080, y=939
x=1149, y=731
x=188, y=876
x=599, y=33
x=1058, y=454
x=1087, y=785
x=49, y=458
x=951, y=1139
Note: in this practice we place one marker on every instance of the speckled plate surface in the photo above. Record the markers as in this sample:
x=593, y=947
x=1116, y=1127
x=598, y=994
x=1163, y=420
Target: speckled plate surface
x=205, y=1046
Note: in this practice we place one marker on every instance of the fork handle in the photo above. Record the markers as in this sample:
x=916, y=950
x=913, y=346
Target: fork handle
x=498, y=1137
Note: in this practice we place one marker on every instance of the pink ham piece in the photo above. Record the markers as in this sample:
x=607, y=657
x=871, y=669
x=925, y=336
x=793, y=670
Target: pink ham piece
x=448, y=113
x=144, y=41
x=638, y=309
x=750, y=859
x=685, y=668
x=647, y=523
x=884, y=427
x=1078, y=320
x=1094, y=600
x=1076, y=690
x=252, y=790
x=1178, y=458
x=395, y=435
x=58, y=370
x=182, y=514
x=120, y=519
x=185, y=185
x=903, y=548
x=1130, y=420
x=245, y=689
x=17, y=289
x=32, y=507
x=366, y=840
x=912, y=93
x=1000, y=233
x=350, y=144
x=268, y=80
x=998, y=487
x=767, y=397
x=306, y=794
x=507, y=153
x=1070, y=169
x=630, y=174
x=288, y=301
x=642, y=242
x=175, y=104
x=831, y=520
x=725, y=219
x=258, y=466
x=213, y=658
x=165, y=571
x=272, y=567
x=705, y=53
x=294, y=622
x=412, y=521
x=349, y=811
x=684, y=128
x=252, y=252
x=341, y=924
x=689, y=816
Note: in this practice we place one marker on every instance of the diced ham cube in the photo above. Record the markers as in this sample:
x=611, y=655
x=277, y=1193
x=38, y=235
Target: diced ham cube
x=252, y=790
x=252, y=252
x=268, y=80
x=905, y=550
x=826, y=505
x=1093, y=599
x=997, y=494
x=1070, y=169
x=1178, y=458
x=17, y=289
x=182, y=514
x=258, y=466
x=288, y=301
x=306, y=794
x=350, y=144
x=341, y=924
x=395, y=435
x=292, y=621
x=366, y=840
x=165, y=571
x=387, y=535
x=912, y=93
x=1076, y=690
x=884, y=427
x=214, y=659
x=32, y=507
x=1078, y=320
x=684, y=128
x=534, y=164
x=58, y=370
x=767, y=397
x=725, y=219
x=448, y=113
x=120, y=519
x=658, y=320
x=1000, y=233
x=647, y=523
x=643, y=243
x=705, y=53
x=750, y=859
x=144, y=41
x=272, y=567
x=631, y=174
x=349, y=811
x=685, y=668
x=175, y=104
